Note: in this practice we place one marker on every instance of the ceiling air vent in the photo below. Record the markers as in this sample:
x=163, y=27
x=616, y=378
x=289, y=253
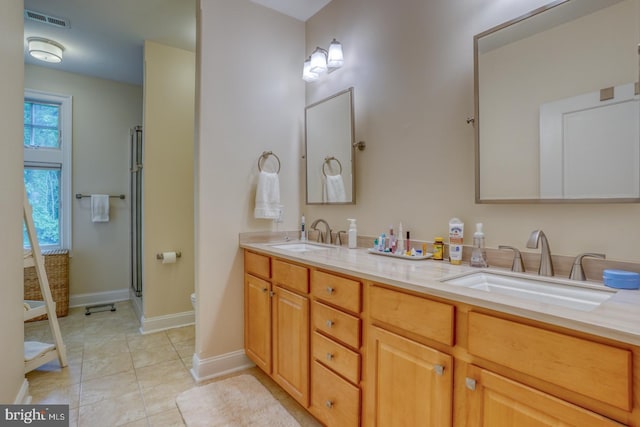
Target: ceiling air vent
x=46, y=19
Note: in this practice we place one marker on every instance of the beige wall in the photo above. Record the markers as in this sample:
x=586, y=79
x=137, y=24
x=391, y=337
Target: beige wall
x=11, y=87
x=169, y=90
x=251, y=100
x=413, y=91
x=103, y=113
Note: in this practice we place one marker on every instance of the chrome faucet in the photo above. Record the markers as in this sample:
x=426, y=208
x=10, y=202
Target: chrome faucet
x=321, y=238
x=546, y=264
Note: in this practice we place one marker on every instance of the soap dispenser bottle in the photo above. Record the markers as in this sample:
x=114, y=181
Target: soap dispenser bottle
x=478, y=254
x=353, y=234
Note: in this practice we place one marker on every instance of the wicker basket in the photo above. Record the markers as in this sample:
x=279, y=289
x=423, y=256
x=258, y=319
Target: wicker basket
x=56, y=264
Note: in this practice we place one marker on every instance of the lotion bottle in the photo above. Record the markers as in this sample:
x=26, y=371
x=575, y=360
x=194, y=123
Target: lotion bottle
x=353, y=234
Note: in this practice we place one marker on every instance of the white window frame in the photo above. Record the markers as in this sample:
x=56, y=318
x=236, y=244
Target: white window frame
x=47, y=157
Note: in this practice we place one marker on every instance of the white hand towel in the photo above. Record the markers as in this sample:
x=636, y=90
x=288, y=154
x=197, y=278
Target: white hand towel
x=268, y=196
x=335, y=189
x=100, y=207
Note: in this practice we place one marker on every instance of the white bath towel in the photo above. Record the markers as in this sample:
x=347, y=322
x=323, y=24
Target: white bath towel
x=268, y=196
x=334, y=187
x=100, y=207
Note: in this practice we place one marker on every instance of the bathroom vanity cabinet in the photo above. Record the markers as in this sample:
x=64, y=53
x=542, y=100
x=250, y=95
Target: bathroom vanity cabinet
x=376, y=354
x=277, y=321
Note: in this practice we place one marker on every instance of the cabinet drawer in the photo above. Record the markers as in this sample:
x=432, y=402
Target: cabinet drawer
x=344, y=293
x=291, y=276
x=337, y=357
x=334, y=401
x=592, y=369
x=420, y=316
x=335, y=323
x=258, y=265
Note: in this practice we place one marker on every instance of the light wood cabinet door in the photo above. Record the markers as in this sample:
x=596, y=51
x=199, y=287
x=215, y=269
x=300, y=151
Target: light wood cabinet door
x=493, y=400
x=291, y=343
x=408, y=383
x=257, y=321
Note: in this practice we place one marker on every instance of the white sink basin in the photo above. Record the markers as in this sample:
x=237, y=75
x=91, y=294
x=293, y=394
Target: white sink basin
x=300, y=247
x=564, y=293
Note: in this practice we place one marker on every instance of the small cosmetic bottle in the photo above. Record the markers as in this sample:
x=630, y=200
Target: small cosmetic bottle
x=408, y=244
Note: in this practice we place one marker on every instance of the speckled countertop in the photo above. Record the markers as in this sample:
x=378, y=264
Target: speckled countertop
x=617, y=318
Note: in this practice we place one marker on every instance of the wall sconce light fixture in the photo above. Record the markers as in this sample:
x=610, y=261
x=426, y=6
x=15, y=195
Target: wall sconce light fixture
x=45, y=49
x=322, y=61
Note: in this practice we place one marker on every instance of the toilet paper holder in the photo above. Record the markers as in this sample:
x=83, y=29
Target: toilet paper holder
x=160, y=256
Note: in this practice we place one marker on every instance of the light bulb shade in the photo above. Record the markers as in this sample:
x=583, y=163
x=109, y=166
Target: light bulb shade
x=319, y=61
x=45, y=50
x=335, y=58
x=307, y=75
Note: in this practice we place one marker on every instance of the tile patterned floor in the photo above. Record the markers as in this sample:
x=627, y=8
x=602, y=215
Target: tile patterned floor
x=116, y=376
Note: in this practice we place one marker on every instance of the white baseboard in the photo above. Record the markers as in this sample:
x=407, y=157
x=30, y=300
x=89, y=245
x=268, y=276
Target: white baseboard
x=212, y=367
x=169, y=321
x=83, y=300
x=23, y=397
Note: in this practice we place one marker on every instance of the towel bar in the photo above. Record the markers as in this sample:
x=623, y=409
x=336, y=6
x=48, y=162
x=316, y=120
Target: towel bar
x=119, y=196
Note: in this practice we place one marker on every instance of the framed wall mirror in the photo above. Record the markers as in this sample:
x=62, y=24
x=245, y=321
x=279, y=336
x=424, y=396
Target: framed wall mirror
x=329, y=143
x=557, y=105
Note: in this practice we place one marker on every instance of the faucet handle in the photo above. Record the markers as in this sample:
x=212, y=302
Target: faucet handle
x=577, y=272
x=339, y=238
x=517, y=265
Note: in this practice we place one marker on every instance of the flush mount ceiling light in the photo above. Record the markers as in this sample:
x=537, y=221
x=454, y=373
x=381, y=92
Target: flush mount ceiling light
x=322, y=61
x=45, y=49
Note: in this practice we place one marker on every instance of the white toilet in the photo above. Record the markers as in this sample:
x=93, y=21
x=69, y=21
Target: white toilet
x=193, y=300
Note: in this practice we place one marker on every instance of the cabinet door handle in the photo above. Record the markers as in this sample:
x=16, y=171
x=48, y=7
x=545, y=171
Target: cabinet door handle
x=271, y=294
x=329, y=356
x=438, y=369
x=329, y=404
x=330, y=324
x=330, y=290
x=264, y=289
x=470, y=383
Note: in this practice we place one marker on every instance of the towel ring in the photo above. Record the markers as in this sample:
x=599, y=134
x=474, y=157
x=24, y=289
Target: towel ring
x=327, y=161
x=264, y=156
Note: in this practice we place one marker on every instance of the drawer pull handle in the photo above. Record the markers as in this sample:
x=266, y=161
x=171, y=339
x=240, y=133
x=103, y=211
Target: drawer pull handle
x=330, y=324
x=329, y=356
x=470, y=383
x=330, y=290
x=329, y=404
x=438, y=369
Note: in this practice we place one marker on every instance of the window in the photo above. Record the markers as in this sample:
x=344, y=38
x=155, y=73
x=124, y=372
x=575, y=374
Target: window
x=47, y=167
